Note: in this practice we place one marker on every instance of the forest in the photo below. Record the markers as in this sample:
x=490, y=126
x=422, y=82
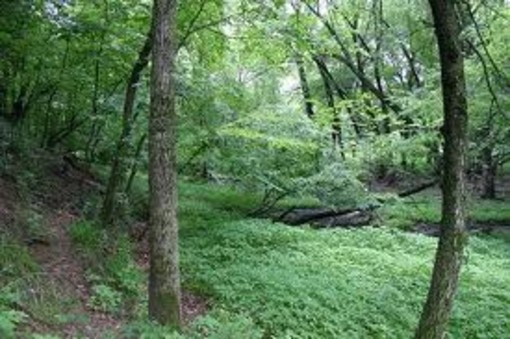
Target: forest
x=254, y=169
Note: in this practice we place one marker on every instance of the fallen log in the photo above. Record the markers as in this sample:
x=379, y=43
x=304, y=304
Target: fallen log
x=418, y=189
x=341, y=217
x=327, y=217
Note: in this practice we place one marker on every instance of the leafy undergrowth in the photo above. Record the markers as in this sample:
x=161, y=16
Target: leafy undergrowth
x=300, y=283
x=266, y=279
x=15, y=262
x=426, y=208
x=269, y=280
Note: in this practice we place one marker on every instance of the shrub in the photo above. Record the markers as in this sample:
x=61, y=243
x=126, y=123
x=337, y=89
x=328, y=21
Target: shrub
x=15, y=260
x=121, y=269
x=105, y=299
x=149, y=330
x=9, y=320
x=87, y=236
x=220, y=324
x=334, y=186
x=114, y=274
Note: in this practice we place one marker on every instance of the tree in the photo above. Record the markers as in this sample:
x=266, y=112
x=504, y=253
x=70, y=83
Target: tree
x=453, y=236
x=119, y=166
x=164, y=279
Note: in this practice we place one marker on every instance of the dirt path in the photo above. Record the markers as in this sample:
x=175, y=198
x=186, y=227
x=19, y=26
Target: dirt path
x=63, y=271
x=56, y=299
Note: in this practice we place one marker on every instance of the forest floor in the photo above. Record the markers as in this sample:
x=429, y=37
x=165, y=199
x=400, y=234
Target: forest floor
x=485, y=216
x=244, y=277
x=60, y=263
x=58, y=299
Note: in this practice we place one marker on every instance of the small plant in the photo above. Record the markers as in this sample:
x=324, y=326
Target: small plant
x=9, y=320
x=44, y=336
x=405, y=213
x=105, y=299
x=43, y=297
x=221, y=324
x=87, y=235
x=35, y=225
x=15, y=260
x=16, y=264
x=149, y=330
x=122, y=269
x=114, y=275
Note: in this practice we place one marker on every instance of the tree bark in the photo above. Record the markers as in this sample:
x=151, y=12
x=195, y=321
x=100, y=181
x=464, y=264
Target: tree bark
x=453, y=235
x=340, y=92
x=96, y=127
x=489, y=172
x=490, y=162
x=305, y=87
x=418, y=189
x=336, y=127
x=164, y=277
x=134, y=167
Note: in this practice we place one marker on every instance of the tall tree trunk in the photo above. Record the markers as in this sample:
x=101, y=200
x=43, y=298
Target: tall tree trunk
x=490, y=163
x=340, y=92
x=134, y=167
x=305, y=87
x=336, y=127
x=96, y=127
x=4, y=93
x=164, y=278
x=53, y=93
x=118, y=169
x=489, y=172
x=453, y=236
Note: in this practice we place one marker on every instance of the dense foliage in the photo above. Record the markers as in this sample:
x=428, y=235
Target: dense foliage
x=283, y=106
x=364, y=69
